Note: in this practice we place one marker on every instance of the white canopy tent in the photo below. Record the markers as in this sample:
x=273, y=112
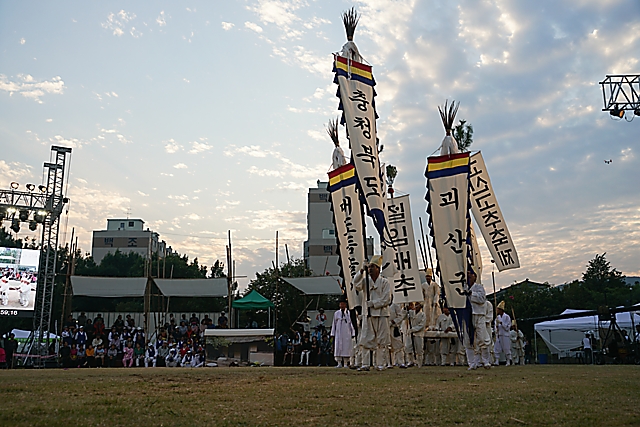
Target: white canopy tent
x=205, y=288
x=562, y=336
x=321, y=285
x=108, y=287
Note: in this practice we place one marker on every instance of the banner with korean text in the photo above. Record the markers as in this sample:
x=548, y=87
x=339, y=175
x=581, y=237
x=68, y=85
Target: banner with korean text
x=448, y=198
x=400, y=246
x=347, y=216
x=355, y=90
x=489, y=217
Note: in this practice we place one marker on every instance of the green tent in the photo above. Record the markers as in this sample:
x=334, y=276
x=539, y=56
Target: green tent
x=253, y=300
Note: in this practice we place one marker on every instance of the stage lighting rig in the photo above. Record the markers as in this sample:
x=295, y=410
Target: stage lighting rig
x=33, y=225
x=31, y=187
x=15, y=185
x=15, y=225
x=40, y=216
x=621, y=93
x=23, y=215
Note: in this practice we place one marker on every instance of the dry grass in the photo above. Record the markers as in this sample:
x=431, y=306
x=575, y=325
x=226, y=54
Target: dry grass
x=530, y=395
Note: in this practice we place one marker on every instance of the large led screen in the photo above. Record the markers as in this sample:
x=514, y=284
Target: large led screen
x=18, y=278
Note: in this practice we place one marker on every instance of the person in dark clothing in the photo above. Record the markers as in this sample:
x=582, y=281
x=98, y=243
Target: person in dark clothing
x=65, y=355
x=325, y=351
x=10, y=347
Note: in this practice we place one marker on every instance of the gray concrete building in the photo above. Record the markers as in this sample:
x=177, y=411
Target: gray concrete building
x=127, y=235
x=320, y=248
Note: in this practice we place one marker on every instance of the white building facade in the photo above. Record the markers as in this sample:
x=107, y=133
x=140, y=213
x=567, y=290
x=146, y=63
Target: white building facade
x=127, y=235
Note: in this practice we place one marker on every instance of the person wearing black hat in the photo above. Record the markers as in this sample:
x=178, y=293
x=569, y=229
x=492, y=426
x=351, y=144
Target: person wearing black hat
x=342, y=331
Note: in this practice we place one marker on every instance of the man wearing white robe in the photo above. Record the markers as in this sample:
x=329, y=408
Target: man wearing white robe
x=503, y=334
x=25, y=291
x=397, y=346
x=430, y=294
x=478, y=298
x=414, y=339
x=448, y=346
x=375, y=313
x=4, y=291
x=342, y=332
x=517, y=344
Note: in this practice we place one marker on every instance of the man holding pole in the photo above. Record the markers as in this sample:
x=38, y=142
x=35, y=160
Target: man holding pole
x=375, y=313
x=477, y=297
x=414, y=339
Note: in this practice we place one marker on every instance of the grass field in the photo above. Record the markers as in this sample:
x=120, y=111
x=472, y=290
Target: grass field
x=529, y=395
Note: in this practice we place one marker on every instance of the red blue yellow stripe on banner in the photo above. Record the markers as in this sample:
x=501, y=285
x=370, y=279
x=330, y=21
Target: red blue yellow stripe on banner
x=341, y=177
x=448, y=165
x=360, y=72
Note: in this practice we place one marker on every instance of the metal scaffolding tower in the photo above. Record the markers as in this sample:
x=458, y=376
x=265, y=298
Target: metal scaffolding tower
x=620, y=93
x=47, y=203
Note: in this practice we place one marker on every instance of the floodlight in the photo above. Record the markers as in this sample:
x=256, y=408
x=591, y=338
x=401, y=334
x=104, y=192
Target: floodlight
x=31, y=187
x=15, y=185
x=40, y=216
x=11, y=211
x=15, y=225
x=42, y=188
x=636, y=112
x=24, y=215
x=33, y=225
x=616, y=112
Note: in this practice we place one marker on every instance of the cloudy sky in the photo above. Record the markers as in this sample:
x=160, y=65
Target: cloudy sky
x=209, y=116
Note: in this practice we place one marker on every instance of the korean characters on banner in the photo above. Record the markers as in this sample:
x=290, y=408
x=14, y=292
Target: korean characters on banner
x=489, y=217
x=448, y=198
x=356, y=93
x=347, y=215
x=400, y=246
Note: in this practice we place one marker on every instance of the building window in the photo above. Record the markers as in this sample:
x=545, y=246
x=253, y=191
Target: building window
x=122, y=225
x=328, y=233
x=327, y=250
x=130, y=223
x=324, y=196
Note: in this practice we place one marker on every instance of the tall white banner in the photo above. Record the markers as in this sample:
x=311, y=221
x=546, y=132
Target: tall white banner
x=489, y=216
x=356, y=93
x=347, y=215
x=401, y=248
x=448, y=197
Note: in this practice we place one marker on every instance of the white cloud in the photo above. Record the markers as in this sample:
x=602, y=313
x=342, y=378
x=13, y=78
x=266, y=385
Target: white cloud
x=117, y=23
x=227, y=26
x=180, y=166
x=253, y=27
x=143, y=194
x=194, y=216
x=161, y=19
x=49, y=120
x=14, y=171
x=199, y=147
x=172, y=147
x=22, y=41
x=67, y=142
x=28, y=87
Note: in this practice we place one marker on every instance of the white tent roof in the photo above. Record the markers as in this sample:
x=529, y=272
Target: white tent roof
x=23, y=335
x=567, y=334
x=322, y=285
x=108, y=287
x=192, y=287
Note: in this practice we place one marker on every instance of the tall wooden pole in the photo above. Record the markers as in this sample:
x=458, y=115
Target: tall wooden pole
x=426, y=247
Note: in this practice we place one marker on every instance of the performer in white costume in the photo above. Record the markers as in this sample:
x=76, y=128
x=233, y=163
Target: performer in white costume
x=375, y=313
x=430, y=293
x=150, y=356
x=503, y=334
x=517, y=344
x=342, y=332
x=4, y=291
x=25, y=291
x=477, y=297
x=414, y=339
x=448, y=346
x=397, y=345
x=338, y=158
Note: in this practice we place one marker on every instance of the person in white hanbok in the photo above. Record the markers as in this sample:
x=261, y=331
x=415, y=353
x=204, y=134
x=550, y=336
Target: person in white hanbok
x=25, y=291
x=342, y=332
x=375, y=314
x=4, y=291
x=414, y=338
x=448, y=346
x=477, y=297
x=397, y=346
x=503, y=334
x=517, y=344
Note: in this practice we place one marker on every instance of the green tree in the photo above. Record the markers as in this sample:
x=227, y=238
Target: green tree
x=463, y=133
x=290, y=304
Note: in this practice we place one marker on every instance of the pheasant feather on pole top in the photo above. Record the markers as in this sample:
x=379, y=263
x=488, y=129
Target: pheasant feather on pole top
x=338, y=158
x=448, y=116
x=350, y=19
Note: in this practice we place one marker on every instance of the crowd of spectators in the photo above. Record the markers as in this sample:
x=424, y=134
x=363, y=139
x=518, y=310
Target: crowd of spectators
x=305, y=348
x=88, y=343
